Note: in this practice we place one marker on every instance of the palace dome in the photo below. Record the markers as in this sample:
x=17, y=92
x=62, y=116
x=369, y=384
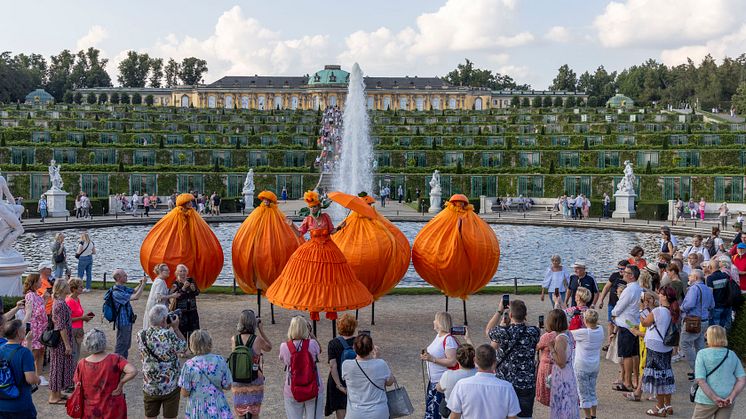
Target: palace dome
x=331, y=74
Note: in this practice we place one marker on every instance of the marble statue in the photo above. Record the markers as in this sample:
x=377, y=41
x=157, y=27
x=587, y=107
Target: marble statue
x=10, y=214
x=435, y=183
x=627, y=184
x=248, y=190
x=54, y=176
x=435, y=193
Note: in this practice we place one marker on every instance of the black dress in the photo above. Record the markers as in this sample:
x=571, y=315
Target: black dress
x=335, y=399
x=187, y=302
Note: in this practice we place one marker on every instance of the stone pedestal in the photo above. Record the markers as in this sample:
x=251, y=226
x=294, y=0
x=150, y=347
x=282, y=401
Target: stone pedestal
x=435, y=203
x=12, y=266
x=625, y=205
x=248, y=200
x=56, y=206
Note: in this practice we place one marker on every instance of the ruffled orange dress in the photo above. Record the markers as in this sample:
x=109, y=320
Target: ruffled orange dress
x=317, y=277
x=456, y=252
x=183, y=237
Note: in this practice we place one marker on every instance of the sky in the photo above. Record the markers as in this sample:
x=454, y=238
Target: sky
x=526, y=39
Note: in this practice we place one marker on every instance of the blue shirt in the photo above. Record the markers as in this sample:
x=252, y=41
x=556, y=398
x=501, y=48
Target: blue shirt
x=122, y=295
x=698, y=301
x=22, y=362
x=723, y=379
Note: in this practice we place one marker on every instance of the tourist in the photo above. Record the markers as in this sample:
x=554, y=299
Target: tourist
x=336, y=393
x=702, y=206
x=718, y=279
x=692, y=208
x=61, y=365
x=697, y=247
x=564, y=399
x=35, y=320
x=720, y=376
x=723, y=213
x=556, y=278
x=581, y=279
x=544, y=370
x=740, y=218
x=693, y=261
x=203, y=380
x=248, y=397
x=299, y=336
x=648, y=303
x=84, y=253
x=588, y=341
x=47, y=281
x=185, y=292
x=739, y=262
x=714, y=244
x=575, y=313
x=21, y=364
x=284, y=194
x=160, y=345
x=440, y=356
x=697, y=305
x=615, y=279
x=400, y=193
x=465, y=357
x=626, y=316
x=41, y=207
x=102, y=377
x=658, y=377
x=637, y=257
x=366, y=378
x=78, y=211
x=483, y=395
x=78, y=316
x=516, y=349
x=146, y=204
x=666, y=242
x=215, y=200
x=159, y=293
x=123, y=296
x=679, y=212
x=586, y=207
x=135, y=202
x=59, y=256
x=674, y=281
x=578, y=206
x=738, y=229
x=607, y=205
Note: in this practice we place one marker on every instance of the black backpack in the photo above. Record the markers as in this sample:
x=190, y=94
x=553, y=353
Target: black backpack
x=710, y=246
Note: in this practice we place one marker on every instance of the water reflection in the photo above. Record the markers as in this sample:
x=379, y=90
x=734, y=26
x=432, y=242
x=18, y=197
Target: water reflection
x=525, y=250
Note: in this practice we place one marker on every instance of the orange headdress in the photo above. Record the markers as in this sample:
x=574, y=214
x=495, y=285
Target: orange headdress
x=268, y=195
x=367, y=198
x=184, y=199
x=311, y=198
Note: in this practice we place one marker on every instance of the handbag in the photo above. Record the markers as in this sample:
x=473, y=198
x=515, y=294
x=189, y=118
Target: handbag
x=397, y=398
x=77, y=255
x=59, y=257
x=51, y=338
x=74, y=404
x=693, y=324
x=693, y=389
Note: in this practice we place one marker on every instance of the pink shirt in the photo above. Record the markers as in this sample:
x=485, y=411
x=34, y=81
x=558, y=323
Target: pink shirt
x=314, y=348
x=311, y=223
x=76, y=311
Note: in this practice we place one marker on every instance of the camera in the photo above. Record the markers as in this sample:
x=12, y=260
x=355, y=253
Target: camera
x=458, y=330
x=173, y=315
x=364, y=332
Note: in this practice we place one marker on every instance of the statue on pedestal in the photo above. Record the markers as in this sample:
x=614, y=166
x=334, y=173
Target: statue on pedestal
x=627, y=184
x=54, y=176
x=248, y=189
x=435, y=193
x=10, y=214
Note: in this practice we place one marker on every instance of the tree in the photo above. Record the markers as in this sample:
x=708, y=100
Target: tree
x=68, y=97
x=102, y=98
x=570, y=102
x=124, y=98
x=114, y=99
x=525, y=102
x=78, y=98
x=515, y=102
x=468, y=75
x=547, y=103
x=91, y=98
x=133, y=70
x=172, y=73
x=136, y=99
x=156, y=72
x=739, y=99
x=89, y=70
x=149, y=100
x=536, y=102
x=557, y=101
x=566, y=79
x=191, y=70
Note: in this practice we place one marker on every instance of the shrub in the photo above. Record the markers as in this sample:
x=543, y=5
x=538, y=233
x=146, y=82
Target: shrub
x=90, y=98
x=136, y=99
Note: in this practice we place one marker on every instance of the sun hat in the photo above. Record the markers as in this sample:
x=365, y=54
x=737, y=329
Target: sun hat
x=44, y=265
x=578, y=265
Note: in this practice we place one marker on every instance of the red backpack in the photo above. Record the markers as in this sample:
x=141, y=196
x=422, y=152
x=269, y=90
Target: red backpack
x=302, y=377
x=455, y=367
x=577, y=321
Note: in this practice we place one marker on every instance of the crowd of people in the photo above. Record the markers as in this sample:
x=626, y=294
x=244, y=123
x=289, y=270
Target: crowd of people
x=330, y=139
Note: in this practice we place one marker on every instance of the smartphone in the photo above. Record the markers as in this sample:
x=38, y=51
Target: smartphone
x=364, y=332
x=506, y=300
x=92, y=314
x=458, y=330
x=423, y=351
x=541, y=322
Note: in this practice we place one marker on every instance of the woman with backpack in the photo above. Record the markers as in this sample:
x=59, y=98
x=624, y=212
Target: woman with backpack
x=303, y=388
x=440, y=356
x=575, y=313
x=59, y=257
x=367, y=377
x=203, y=380
x=340, y=349
x=245, y=363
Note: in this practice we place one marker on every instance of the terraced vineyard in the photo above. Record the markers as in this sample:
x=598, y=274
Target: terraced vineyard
x=537, y=152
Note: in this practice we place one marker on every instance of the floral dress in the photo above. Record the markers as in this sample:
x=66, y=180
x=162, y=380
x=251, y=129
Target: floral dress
x=205, y=377
x=38, y=318
x=545, y=367
x=564, y=398
x=61, y=366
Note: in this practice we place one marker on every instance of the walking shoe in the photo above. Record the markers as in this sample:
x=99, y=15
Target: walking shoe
x=85, y=290
x=677, y=358
x=44, y=381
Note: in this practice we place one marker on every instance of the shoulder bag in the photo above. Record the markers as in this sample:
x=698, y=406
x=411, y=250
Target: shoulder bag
x=51, y=337
x=693, y=389
x=77, y=255
x=693, y=324
x=672, y=333
x=397, y=398
x=74, y=404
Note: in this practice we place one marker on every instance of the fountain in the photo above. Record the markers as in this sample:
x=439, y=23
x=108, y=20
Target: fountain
x=355, y=170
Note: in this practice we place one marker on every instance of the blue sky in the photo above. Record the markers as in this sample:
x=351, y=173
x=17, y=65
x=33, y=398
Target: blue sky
x=527, y=39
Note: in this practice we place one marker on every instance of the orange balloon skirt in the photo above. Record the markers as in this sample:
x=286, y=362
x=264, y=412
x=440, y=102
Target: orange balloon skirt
x=318, y=278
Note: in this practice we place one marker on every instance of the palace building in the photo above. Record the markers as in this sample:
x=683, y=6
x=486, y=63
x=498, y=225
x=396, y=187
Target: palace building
x=328, y=87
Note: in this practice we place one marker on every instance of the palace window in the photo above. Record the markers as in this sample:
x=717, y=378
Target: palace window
x=228, y=102
x=492, y=159
x=483, y=185
x=677, y=187
x=608, y=159
x=529, y=159
x=143, y=183
x=530, y=186
x=96, y=186
x=729, y=188
x=569, y=159
x=211, y=102
x=574, y=185
x=190, y=182
x=645, y=157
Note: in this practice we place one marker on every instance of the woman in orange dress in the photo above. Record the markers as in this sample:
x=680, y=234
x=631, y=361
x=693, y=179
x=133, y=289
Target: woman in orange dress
x=546, y=341
x=317, y=277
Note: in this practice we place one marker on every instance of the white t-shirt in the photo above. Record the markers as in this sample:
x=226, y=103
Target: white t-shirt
x=158, y=288
x=653, y=337
x=451, y=377
x=484, y=396
x=556, y=279
x=364, y=400
x=588, y=344
x=436, y=350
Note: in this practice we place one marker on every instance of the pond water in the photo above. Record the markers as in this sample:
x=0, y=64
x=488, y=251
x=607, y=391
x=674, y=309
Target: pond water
x=524, y=250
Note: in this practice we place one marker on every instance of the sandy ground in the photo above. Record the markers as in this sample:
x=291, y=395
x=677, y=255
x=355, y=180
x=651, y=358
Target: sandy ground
x=403, y=326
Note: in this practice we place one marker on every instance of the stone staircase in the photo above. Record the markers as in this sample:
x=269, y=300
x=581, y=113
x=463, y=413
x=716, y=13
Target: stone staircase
x=326, y=182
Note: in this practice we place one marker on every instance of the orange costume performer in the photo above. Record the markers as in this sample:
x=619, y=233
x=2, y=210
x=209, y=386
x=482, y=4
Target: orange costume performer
x=317, y=277
x=377, y=250
x=182, y=236
x=262, y=245
x=456, y=251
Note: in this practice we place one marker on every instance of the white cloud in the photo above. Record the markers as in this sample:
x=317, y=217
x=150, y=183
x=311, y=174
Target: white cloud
x=558, y=34
x=93, y=38
x=666, y=23
x=730, y=45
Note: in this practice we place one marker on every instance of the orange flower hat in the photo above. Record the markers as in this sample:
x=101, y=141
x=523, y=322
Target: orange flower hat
x=184, y=199
x=367, y=198
x=459, y=198
x=312, y=198
x=268, y=195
